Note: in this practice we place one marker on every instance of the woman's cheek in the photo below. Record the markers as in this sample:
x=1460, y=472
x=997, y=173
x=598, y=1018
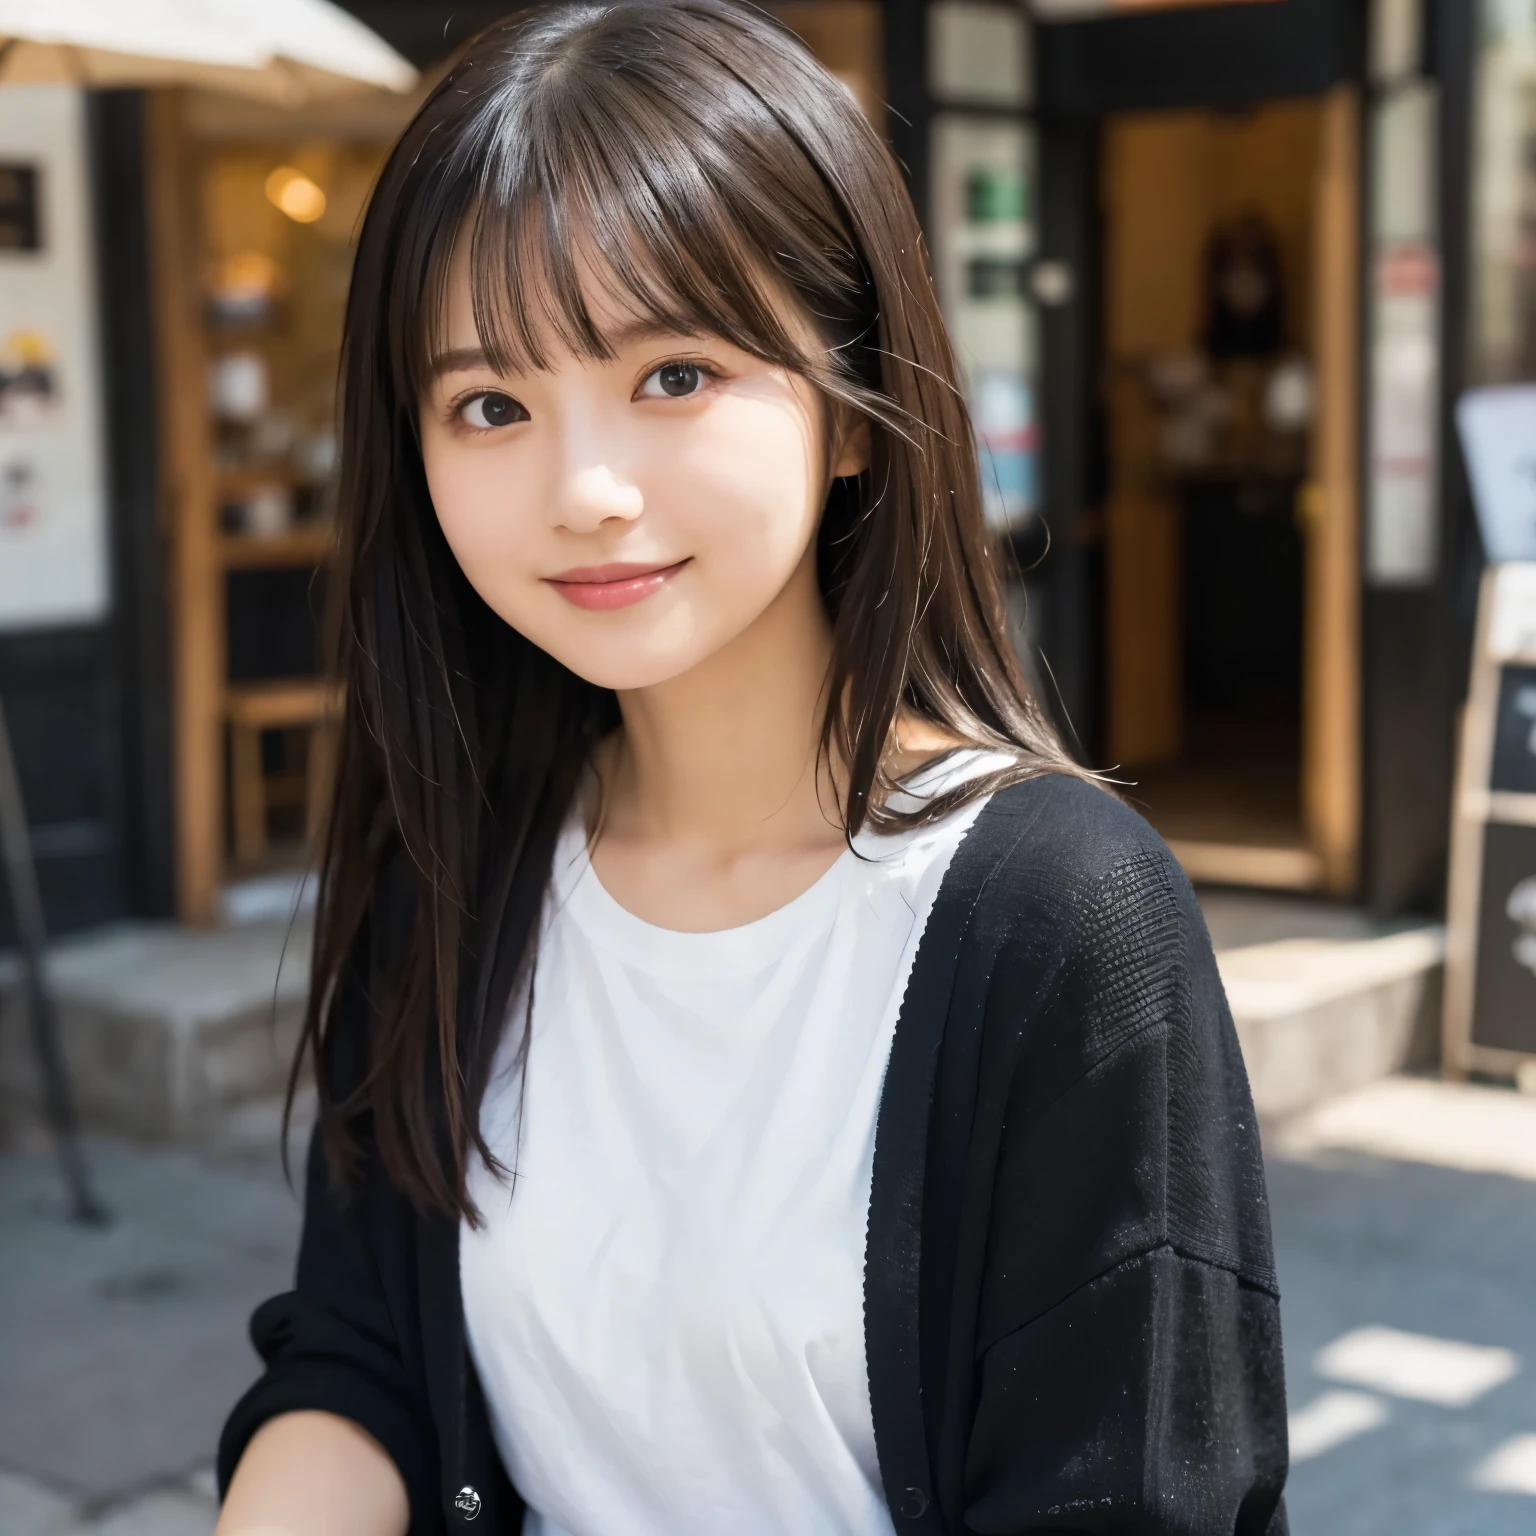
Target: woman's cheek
x=479, y=509
x=752, y=499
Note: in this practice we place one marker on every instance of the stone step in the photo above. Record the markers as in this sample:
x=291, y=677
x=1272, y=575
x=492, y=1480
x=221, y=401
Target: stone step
x=172, y=1033
x=1325, y=999
x=166, y=1029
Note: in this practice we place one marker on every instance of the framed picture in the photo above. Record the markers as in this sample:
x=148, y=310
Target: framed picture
x=20, y=228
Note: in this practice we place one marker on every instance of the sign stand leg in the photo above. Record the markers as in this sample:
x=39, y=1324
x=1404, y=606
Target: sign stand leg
x=27, y=904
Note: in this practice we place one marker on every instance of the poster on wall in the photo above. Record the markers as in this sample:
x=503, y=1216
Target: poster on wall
x=1402, y=535
x=983, y=238
x=53, y=554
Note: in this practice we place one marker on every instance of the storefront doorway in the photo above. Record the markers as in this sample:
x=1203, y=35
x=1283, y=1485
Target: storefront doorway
x=1227, y=389
x=1197, y=584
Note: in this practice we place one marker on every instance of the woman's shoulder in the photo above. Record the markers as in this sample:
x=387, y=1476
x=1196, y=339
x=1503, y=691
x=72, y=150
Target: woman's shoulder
x=1069, y=827
x=1064, y=858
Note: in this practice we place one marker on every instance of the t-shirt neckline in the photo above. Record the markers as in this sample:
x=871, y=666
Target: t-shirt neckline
x=604, y=918
x=582, y=894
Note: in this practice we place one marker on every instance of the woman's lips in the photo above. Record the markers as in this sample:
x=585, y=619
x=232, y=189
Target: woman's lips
x=604, y=587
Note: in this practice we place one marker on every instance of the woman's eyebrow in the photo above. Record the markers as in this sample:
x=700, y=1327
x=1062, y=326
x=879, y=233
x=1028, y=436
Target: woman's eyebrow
x=468, y=359
x=459, y=360
x=634, y=332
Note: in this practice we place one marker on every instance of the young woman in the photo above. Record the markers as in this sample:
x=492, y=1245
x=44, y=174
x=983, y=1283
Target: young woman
x=765, y=1087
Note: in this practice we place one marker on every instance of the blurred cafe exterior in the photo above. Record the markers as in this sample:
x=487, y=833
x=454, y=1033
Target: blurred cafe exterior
x=1217, y=272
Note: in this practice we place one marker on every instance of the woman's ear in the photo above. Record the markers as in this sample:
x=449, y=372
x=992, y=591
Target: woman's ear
x=852, y=451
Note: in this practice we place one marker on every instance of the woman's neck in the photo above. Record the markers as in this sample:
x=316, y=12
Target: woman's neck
x=727, y=753
x=717, y=806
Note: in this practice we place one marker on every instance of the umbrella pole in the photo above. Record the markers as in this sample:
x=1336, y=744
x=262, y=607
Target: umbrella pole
x=27, y=905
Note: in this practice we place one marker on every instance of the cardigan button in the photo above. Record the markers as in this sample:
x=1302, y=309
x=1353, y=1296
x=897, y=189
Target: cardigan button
x=467, y=1502
x=914, y=1504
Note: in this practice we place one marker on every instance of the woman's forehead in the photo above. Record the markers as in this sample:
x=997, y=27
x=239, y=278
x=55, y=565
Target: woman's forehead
x=474, y=305
x=526, y=311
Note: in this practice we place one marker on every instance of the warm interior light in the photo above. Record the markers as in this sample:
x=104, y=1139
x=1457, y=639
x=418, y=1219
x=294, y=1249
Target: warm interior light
x=248, y=275
x=295, y=194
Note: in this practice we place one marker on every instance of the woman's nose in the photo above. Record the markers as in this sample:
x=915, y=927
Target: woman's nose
x=592, y=494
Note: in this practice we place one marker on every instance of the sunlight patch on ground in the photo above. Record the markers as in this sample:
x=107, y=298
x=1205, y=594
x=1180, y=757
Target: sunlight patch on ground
x=1429, y=1370
x=1510, y=1469
x=1333, y=1418
x=1453, y=1125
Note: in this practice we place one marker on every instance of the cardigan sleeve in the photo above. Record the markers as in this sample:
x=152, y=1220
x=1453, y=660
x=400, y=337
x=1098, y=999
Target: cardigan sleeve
x=336, y=1341
x=1128, y=1373
x=331, y=1344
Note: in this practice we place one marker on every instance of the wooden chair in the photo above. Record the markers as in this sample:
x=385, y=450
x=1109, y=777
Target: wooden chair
x=251, y=708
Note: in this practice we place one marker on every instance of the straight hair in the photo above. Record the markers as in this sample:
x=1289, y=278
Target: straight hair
x=697, y=158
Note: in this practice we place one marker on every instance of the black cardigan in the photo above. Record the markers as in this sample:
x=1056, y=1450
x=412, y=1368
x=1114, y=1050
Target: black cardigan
x=1071, y=1317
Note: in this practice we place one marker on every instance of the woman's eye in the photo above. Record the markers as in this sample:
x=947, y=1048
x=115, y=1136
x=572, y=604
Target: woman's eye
x=674, y=380
x=492, y=409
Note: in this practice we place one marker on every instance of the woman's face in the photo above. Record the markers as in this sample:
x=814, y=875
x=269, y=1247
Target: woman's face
x=631, y=516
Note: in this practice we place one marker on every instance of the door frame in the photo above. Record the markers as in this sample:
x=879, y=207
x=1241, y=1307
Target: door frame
x=1331, y=779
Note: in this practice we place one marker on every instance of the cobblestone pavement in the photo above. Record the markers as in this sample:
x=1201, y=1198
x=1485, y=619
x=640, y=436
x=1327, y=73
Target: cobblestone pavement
x=1405, y=1227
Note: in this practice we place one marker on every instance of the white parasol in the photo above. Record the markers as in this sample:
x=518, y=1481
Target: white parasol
x=281, y=50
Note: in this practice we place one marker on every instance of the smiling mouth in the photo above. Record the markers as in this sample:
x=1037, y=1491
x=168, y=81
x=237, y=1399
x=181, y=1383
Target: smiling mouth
x=604, y=587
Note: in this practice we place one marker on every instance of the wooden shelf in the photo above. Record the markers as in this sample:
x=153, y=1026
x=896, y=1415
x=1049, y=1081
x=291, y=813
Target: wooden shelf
x=239, y=481
x=207, y=204
x=279, y=703
x=310, y=545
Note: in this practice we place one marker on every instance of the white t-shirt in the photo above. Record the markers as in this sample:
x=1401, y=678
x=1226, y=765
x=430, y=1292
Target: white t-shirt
x=666, y=1308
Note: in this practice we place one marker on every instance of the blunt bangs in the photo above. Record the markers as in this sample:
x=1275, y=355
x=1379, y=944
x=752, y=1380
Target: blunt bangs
x=593, y=176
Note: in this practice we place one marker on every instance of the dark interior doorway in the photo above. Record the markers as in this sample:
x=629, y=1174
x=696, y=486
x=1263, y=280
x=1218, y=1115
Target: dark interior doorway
x=1208, y=386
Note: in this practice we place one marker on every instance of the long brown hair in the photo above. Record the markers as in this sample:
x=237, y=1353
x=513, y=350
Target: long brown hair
x=697, y=155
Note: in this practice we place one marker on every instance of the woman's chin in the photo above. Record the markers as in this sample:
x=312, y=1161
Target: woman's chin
x=628, y=667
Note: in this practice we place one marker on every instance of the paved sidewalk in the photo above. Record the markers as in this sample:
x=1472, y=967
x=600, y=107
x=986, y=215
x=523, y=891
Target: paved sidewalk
x=1405, y=1236
x=125, y=1346
x=29, y=1508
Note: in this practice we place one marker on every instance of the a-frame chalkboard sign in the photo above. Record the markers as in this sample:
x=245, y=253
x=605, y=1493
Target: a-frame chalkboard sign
x=1490, y=971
